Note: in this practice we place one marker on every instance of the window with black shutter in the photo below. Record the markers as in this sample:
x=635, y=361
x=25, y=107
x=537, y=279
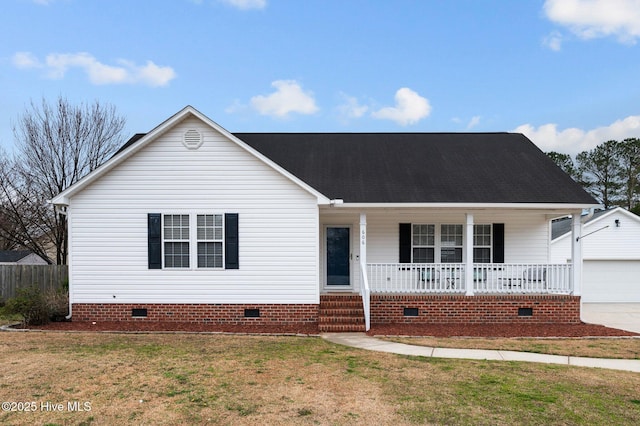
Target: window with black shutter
x=204, y=241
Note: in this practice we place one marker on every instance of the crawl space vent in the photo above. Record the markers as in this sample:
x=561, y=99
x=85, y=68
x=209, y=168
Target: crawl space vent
x=139, y=312
x=192, y=139
x=411, y=312
x=252, y=313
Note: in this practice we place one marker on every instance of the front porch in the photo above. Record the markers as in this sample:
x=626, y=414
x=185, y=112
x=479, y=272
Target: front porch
x=429, y=293
x=482, y=266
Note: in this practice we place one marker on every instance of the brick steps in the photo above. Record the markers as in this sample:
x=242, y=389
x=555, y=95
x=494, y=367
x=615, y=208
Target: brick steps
x=341, y=313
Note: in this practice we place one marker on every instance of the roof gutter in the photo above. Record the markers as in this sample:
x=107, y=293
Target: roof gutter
x=478, y=206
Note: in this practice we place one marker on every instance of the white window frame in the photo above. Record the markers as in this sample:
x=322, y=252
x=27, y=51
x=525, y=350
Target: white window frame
x=423, y=246
x=173, y=240
x=193, y=240
x=454, y=245
x=213, y=240
x=483, y=246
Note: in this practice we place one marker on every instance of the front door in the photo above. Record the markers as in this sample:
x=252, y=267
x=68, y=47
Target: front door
x=338, y=256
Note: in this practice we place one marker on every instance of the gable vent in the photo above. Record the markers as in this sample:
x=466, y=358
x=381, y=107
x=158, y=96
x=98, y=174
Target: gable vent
x=192, y=139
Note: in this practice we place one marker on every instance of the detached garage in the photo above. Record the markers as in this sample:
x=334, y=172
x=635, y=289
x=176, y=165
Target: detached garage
x=611, y=253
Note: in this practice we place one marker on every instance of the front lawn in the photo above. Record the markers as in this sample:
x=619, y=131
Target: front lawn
x=224, y=379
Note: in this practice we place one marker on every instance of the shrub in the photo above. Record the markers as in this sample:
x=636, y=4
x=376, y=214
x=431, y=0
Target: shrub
x=31, y=304
x=38, y=307
x=57, y=303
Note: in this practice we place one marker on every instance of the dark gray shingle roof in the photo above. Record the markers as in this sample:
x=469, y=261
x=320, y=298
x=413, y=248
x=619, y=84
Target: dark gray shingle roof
x=11, y=256
x=421, y=167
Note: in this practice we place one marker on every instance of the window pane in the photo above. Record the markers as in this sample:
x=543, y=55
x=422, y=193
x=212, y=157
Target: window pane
x=482, y=235
x=209, y=255
x=423, y=255
x=423, y=235
x=482, y=255
x=451, y=255
x=176, y=255
x=176, y=227
x=451, y=235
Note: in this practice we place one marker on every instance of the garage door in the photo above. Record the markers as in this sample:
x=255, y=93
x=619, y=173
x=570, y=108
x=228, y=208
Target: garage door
x=611, y=281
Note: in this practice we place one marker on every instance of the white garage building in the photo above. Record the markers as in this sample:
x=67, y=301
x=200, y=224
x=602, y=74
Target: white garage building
x=611, y=253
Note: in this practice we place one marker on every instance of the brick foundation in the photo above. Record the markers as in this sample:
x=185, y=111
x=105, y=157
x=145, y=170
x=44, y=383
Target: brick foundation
x=231, y=314
x=457, y=309
x=385, y=309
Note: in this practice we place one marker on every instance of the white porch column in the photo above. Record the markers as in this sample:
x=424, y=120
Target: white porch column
x=576, y=253
x=363, y=239
x=468, y=254
x=365, y=291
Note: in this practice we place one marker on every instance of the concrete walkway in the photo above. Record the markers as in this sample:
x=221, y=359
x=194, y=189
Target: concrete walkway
x=362, y=341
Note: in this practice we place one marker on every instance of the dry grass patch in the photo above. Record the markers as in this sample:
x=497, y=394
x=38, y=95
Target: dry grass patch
x=617, y=347
x=222, y=379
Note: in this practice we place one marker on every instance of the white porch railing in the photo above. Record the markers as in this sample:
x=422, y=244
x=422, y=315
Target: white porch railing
x=488, y=278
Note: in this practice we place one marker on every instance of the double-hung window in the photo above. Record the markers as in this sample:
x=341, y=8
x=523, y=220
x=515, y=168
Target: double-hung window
x=203, y=239
x=193, y=241
x=482, y=243
x=451, y=243
x=210, y=240
x=423, y=239
x=176, y=240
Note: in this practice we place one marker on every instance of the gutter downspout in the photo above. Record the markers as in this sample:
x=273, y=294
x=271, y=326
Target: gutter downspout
x=576, y=253
x=588, y=216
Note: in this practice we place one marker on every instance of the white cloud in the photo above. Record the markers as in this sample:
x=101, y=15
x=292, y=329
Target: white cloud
x=475, y=120
x=26, y=60
x=351, y=108
x=288, y=98
x=553, y=41
x=246, y=4
x=409, y=109
x=573, y=140
x=597, y=18
x=56, y=66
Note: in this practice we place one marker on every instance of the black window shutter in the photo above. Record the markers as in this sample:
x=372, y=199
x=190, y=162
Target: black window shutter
x=231, y=260
x=405, y=243
x=498, y=243
x=154, y=237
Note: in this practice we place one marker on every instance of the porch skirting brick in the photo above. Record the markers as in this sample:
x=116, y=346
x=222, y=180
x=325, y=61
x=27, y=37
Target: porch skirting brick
x=455, y=309
x=385, y=309
x=232, y=314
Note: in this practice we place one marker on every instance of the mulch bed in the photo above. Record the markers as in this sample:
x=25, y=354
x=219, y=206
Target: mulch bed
x=433, y=330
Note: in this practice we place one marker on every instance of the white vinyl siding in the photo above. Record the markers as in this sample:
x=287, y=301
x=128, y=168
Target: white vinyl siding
x=278, y=226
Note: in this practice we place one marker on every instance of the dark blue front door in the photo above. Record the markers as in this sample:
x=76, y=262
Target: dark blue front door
x=338, y=256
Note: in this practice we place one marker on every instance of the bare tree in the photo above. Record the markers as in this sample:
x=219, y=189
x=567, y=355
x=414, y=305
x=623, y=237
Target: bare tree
x=56, y=145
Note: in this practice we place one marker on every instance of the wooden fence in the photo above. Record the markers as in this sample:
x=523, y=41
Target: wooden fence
x=14, y=277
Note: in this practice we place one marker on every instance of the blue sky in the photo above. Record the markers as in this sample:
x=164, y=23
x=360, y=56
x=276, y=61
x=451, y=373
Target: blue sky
x=564, y=72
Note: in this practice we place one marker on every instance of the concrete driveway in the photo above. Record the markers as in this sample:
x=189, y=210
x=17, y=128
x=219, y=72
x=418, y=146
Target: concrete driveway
x=623, y=316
